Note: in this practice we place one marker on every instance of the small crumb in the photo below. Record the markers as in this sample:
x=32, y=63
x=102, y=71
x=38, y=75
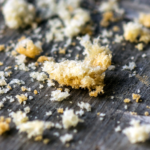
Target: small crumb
x=46, y=141
x=42, y=59
x=66, y=138
x=35, y=92
x=21, y=98
x=49, y=113
x=38, y=138
x=133, y=113
x=118, y=129
x=1, y=63
x=27, y=109
x=136, y=97
x=140, y=46
x=144, y=55
x=127, y=100
x=23, y=88
x=60, y=110
x=2, y=47
x=146, y=113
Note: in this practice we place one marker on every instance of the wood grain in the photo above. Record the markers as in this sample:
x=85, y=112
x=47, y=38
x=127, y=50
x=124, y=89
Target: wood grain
x=93, y=134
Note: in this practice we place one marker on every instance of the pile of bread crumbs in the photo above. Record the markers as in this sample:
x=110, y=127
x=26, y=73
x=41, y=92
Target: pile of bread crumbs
x=89, y=73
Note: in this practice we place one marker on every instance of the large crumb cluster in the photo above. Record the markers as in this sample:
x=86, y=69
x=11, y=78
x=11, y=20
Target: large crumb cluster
x=69, y=119
x=18, y=13
x=137, y=133
x=85, y=74
x=4, y=124
x=28, y=48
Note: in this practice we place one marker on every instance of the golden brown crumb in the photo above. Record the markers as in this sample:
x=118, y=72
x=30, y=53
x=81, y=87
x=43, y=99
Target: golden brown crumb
x=22, y=38
x=36, y=64
x=133, y=113
x=35, y=92
x=73, y=43
x=59, y=89
x=144, y=19
x=4, y=124
x=127, y=100
x=107, y=18
x=21, y=98
x=38, y=138
x=46, y=141
x=1, y=63
x=41, y=59
x=2, y=47
x=9, y=87
x=62, y=50
x=136, y=97
x=98, y=113
x=23, y=89
x=14, y=53
x=146, y=113
x=28, y=48
x=7, y=68
x=60, y=110
x=116, y=28
x=148, y=107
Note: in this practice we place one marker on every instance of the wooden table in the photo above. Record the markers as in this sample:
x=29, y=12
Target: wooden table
x=93, y=134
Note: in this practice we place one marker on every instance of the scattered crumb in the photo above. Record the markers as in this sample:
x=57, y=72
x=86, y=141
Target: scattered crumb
x=66, y=138
x=46, y=141
x=42, y=59
x=60, y=110
x=118, y=129
x=1, y=63
x=49, y=113
x=27, y=109
x=40, y=76
x=136, y=97
x=144, y=19
x=127, y=100
x=38, y=138
x=140, y=46
x=35, y=92
x=146, y=113
x=131, y=66
x=21, y=98
x=86, y=106
x=2, y=47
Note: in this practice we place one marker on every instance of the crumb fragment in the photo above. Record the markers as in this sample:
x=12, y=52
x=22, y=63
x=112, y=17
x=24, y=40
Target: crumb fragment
x=23, y=88
x=46, y=141
x=14, y=17
x=66, y=138
x=1, y=63
x=19, y=117
x=2, y=47
x=4, y=124
x=35, y=92
x=40, y=76
x=38, y=138
x=127, y=100
x=85, y=74
x=42, y=59
x=28, y=48
x=27, y=109
x=144, y=19
x=131, y=66
x=69, y=119
x=86, y=106
x=1, y=105
x=58, y=95
x=136, y=97
x=140, y=46
x=21, y=98
x=60, y=110
x=146, y=113
x=136, y=132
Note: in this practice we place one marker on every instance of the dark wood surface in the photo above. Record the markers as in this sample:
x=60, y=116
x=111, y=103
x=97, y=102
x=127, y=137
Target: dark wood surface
x=93, y=134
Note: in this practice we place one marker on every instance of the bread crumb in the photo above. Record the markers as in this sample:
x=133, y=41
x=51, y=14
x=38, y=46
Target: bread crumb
x=49, y=113
x=60, y=110
x=14, y=17
x=62, y=50
x=133, y=113
x=127, y=100
x=4, y=124
x=2, y=82
x=118, y=129
x=136, y=132
x=46, y=141
x=28, y=48
x=23, y=88
x=35, y=92
x=140, y=46
x=146, y=113
x=58, y=95
x=69, y=119
x=136, y=97
x=38, y=138
x=40, y=76
x=66, y=138
x=86, y=106
x=21, y=98
x=1, y=63
x=116, y=29
x=144, y=19
x=2, y=47
x=34, y=128
x=148, y=107
x=1, y=105
x=131, y=66
x=42, y=59
x=19, y=117
x=27, y=109
x=85, y=74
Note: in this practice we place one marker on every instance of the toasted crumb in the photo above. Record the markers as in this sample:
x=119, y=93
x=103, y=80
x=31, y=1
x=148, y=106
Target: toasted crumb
x=23, y=88
x=28, y=48
x=60, y=110
x=19, y=117
x=69, y=119
x=116, y=28
x=140, y=46
x=146, y=113
x=144, y=19
x=136, y=132
x=35, y=92
x=127, y=100
x=1, y=63
x=2, y=82
x=148, y=107
x=133, y=113
x=46, y=141
x=7, y=68
x=21, y=98
x=42, y=59
x=38, y=138
x=136, y=97
x=4, y=124
x=66, y=138
x=85, y=74
x=62, y=50
x=2, y=47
